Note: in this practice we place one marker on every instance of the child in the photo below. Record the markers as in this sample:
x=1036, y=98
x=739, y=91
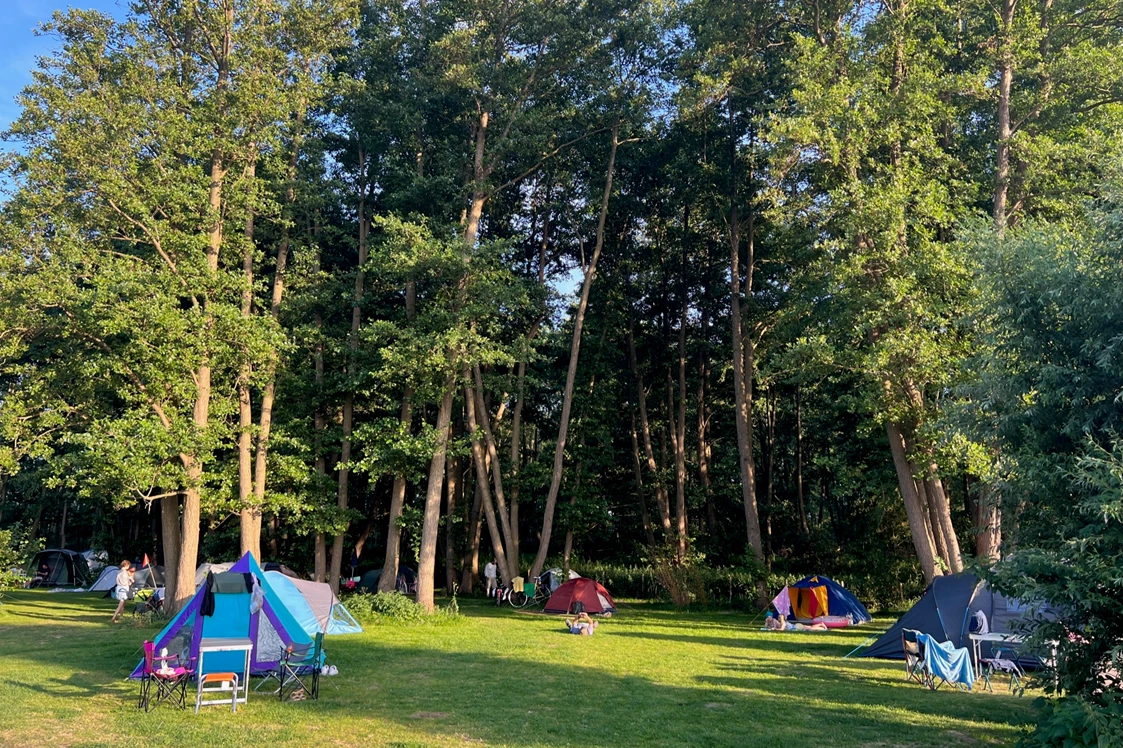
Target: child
x=121, y=591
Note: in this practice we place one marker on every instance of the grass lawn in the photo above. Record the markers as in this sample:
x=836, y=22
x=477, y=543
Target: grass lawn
x=650, y=676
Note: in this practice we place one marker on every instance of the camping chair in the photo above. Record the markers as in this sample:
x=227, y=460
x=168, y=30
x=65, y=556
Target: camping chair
x=1003, y=661
x=915, y=669
x=299, y=666
x=170, y=684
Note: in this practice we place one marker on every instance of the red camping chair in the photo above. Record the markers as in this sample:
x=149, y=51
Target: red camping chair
x=170, y=685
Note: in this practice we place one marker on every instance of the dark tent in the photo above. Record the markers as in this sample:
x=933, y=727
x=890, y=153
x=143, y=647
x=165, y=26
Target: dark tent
x=58, y=568
x=590, y=593
x=946, y=610
x=406, y=582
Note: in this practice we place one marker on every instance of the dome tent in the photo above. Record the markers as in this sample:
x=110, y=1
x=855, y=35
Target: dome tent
x=313, y=605
x=945, y=613
x=56, y=567
x=405, y=583
x=588, y=592
x=820, y=599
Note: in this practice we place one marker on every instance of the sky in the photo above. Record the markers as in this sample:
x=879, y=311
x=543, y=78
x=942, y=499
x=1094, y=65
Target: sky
x=19, y=46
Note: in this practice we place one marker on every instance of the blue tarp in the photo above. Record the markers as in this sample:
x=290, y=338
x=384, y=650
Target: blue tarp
x=945, y=660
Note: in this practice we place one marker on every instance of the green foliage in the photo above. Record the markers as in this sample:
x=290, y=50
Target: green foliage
x=1072, y=722
x=16, y=549
x=395, y=608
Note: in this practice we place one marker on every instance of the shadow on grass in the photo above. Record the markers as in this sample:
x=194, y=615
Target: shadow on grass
x=588, y=694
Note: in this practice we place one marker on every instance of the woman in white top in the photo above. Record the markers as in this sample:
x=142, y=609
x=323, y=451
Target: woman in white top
x=121, y=591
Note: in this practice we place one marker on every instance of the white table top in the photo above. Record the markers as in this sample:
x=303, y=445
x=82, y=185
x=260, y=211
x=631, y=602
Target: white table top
x=219, y=644
x=993, y=637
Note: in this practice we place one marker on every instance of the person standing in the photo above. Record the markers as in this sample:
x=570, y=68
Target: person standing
x=121, y=590
x=490, y=572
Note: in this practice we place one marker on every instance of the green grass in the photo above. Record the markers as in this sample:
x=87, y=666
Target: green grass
x=650, y=676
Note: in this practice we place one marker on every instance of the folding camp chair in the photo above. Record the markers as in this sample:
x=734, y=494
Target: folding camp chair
x=1003, y=661
x=169, y=681
x=915, y=669
x=299, y=668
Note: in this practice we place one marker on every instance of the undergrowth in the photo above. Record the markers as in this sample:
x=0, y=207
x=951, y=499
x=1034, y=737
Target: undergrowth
x=387, y=607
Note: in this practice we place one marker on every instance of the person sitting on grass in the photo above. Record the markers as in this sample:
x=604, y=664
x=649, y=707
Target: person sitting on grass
x=121, y=591
x=780, y=623
x=583, y=624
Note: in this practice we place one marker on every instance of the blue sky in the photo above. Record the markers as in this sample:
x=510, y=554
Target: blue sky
x=20, y=46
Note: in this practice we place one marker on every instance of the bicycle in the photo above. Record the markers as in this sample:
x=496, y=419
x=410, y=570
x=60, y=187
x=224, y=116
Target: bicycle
x=533, y=593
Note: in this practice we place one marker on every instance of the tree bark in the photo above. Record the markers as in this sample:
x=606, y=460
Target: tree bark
x=480, y=460
x=913, y=509
x=799, y=464
x=680, y=437
x=1005, y=85
x=427, y=557
x=169, y=530
x=453, y=487
x=471, y=564
x=989, y=537
x=645, y=518
x=662, y=501
x=349, y=400
x=484, y=420
x=571, y=373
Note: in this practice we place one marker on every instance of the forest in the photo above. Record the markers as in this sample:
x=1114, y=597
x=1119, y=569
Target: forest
x=779, y=287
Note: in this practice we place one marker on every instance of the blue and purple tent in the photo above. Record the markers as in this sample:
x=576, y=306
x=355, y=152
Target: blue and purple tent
x=271, y=628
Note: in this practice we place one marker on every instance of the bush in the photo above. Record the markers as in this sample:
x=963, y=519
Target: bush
x=16, y=549
x=385, y=607
x=1075, y=721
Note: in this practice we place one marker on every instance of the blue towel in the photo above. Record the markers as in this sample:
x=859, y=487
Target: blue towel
x=945, y=660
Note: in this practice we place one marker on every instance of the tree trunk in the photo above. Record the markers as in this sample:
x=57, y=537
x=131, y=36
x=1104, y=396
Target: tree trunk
x=662, y=501
x=169, y=530
x=427, y=557
x=496, y=472
x=571, y=373
x=1005, y=85
x=453, y=487
x=480, y=460
x=645, y=518
x=349, y=400
x=680, y=435
x=799, y=463
x=989, y=537
x=916, y=514
x=471, y=563
x=250, y=520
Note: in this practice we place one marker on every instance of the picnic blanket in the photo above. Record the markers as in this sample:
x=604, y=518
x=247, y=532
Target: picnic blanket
x=945, y=660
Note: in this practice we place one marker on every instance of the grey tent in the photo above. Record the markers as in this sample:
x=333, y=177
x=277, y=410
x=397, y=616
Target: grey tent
x=107, y=581
x=946, y=610
x=405, y=583
x=58, y=568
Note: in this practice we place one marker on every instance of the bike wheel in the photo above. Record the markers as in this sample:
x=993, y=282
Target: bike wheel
x=518, y=599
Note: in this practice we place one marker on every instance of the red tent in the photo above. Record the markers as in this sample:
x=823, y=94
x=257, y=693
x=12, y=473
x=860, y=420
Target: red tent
x=587, y=591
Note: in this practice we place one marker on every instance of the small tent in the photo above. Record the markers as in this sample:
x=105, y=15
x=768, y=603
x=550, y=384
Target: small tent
x=107, y=580
x=271, y=628
x=587, y=591
x=819, y=599
x=313, y=604
x=202, y=569
x=945, y=612
x=405, y=583
x=57, y=568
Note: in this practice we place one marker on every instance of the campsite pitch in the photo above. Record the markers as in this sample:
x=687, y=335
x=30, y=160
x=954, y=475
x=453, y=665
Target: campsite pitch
x=650, y=676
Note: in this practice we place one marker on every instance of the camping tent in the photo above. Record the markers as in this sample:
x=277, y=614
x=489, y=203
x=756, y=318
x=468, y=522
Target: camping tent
x=148, y=577
x=313, y=605
x=271, y=628
x=107, y=580
x=820, y=599
x=201, y=571
x=57, y=568
x=594, y=596
x=406, y=582
x=946, y=610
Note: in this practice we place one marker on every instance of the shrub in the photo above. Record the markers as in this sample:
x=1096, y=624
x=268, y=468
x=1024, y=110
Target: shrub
x=16, y=549
x=1075, y=721
x=384, y=607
